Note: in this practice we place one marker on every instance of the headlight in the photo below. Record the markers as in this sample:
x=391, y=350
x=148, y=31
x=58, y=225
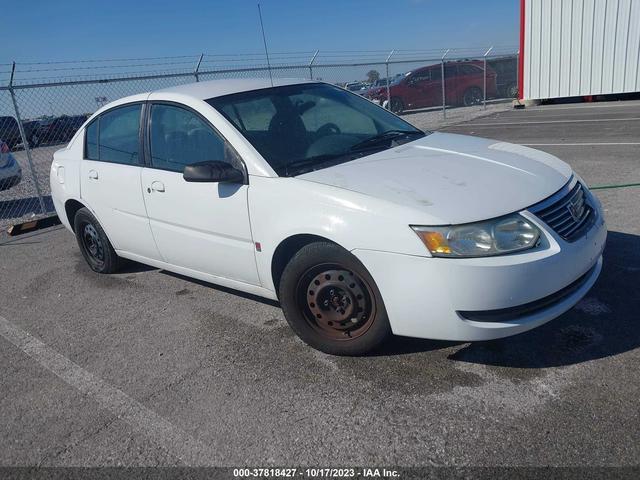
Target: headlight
x=481, y=239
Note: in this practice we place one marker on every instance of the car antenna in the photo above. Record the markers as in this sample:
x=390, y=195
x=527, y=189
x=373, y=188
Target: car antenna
x=264, y=40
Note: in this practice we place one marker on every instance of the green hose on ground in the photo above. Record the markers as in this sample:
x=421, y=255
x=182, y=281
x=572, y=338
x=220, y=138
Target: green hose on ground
x=605, y=187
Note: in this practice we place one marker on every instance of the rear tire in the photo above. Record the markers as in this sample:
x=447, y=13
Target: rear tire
x=331, y=301
x=472, y=96
x=94, y=244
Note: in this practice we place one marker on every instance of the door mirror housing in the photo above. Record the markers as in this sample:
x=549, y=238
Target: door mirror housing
x=214, y=171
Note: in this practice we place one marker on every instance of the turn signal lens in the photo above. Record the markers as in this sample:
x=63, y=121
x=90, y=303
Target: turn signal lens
x=435, y=242
x=499, y=236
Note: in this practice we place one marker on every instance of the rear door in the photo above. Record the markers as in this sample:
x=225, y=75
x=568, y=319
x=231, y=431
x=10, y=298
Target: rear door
x=200, y=226
x=110, y=179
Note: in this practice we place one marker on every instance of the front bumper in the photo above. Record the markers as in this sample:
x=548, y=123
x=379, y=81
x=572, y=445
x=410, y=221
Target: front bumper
x=471, y=299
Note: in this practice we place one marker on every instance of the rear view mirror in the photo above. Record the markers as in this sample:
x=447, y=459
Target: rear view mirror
x=212, y=172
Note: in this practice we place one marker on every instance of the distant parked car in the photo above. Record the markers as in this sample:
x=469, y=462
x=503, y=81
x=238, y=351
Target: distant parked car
x=61, y=129
x=10, y=132
x=423, y=87
x=381, y=82
x=10, y=171
x=506, y=69
x=360, y=88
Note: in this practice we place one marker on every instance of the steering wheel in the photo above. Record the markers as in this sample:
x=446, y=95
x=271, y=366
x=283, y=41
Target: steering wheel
x=328, y=129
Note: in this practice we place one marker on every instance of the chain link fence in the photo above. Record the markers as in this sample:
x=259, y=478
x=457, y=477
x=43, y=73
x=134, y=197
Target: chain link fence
x=42, y=105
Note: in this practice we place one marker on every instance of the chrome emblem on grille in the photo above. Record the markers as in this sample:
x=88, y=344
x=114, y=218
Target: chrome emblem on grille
x=575, y=210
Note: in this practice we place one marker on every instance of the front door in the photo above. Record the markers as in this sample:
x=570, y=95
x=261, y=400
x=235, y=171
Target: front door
x=200, y=226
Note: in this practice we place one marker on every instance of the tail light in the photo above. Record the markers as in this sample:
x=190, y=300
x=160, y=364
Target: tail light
x=4, y=148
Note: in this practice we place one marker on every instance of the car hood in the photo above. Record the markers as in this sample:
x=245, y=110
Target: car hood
x=453, y=178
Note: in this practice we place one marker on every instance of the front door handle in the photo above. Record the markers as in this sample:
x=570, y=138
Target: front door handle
x=93, y=175
x=157, y=186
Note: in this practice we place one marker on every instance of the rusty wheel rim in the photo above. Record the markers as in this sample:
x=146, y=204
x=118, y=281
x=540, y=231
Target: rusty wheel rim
x=336, y=302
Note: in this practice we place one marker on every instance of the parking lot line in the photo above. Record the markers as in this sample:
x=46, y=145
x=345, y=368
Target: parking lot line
x=541, y=122
x=578, y=144
x=142, y=419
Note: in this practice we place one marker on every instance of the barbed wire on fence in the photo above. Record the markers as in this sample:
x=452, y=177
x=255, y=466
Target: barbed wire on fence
x=113, y=68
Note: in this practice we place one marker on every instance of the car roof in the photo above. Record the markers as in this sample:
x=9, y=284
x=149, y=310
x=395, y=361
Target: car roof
x=204, y=90
x=219, y=88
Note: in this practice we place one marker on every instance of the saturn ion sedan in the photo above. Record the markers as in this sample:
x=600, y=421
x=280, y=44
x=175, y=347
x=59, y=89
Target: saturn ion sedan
x=358, y=223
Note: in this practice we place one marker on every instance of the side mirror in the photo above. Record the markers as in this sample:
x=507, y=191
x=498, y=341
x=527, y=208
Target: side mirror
x=212, y=172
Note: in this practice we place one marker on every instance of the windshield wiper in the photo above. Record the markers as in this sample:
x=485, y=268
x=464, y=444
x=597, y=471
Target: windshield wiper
x=389, y=135
x=311, y=163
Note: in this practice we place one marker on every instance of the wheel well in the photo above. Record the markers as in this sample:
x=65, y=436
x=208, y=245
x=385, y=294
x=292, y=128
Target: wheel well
x=71, y=207
x=285, y=252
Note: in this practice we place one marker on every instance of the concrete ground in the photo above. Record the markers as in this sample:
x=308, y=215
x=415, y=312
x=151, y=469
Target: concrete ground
x=150, y=368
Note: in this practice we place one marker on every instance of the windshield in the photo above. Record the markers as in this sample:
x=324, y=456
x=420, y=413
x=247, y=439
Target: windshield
x=301, y=128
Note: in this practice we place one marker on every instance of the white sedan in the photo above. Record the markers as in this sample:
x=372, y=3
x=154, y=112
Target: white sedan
x=358, y=223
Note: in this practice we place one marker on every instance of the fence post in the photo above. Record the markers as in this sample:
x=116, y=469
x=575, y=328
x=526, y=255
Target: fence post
x=25, y=142
x=444, y=96
x=195, y=72
x=387, y=82
x=484, y=89
x=313, y=59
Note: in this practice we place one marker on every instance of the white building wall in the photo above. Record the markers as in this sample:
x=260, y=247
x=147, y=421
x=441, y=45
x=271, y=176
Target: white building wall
x=581, y=47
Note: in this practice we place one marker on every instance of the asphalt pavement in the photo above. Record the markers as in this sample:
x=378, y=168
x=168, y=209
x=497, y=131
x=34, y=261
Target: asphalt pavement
x=149, y=368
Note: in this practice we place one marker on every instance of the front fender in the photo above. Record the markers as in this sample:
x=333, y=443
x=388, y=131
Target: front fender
x=280, y=208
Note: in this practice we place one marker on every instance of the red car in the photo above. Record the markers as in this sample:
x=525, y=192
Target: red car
x=423, y=87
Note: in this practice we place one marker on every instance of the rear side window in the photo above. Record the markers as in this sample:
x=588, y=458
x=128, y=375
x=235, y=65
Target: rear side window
x=115, y=136
x=179, y=137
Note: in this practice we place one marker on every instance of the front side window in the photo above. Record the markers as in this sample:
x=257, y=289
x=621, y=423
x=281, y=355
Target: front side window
x=115, y=136
x=179, y=137
x=298, y=128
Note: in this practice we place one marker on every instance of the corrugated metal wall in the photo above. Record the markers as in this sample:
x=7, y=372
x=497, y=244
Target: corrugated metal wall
x=581, y=47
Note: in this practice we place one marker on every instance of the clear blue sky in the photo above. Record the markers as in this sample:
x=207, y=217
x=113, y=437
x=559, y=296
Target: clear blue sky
x=72, y=29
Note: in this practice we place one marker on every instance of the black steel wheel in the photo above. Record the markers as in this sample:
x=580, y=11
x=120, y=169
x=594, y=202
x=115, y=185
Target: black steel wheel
x=94, y=244
x=332, y=302
x=337, y=303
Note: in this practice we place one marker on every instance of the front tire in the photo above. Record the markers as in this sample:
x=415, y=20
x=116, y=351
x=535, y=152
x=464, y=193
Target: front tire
x=331, y=301
x=94, y=244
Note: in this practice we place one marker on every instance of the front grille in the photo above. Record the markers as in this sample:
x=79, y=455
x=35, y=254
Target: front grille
x=570, y=215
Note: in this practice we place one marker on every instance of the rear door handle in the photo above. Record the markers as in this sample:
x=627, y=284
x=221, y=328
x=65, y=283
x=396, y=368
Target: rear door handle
x=93, y=175
x=157, y=186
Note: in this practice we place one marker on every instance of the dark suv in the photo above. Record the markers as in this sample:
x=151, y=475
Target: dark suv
x=61, y=129
x=423, y=87
x=506, y=69
x=10, y=132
